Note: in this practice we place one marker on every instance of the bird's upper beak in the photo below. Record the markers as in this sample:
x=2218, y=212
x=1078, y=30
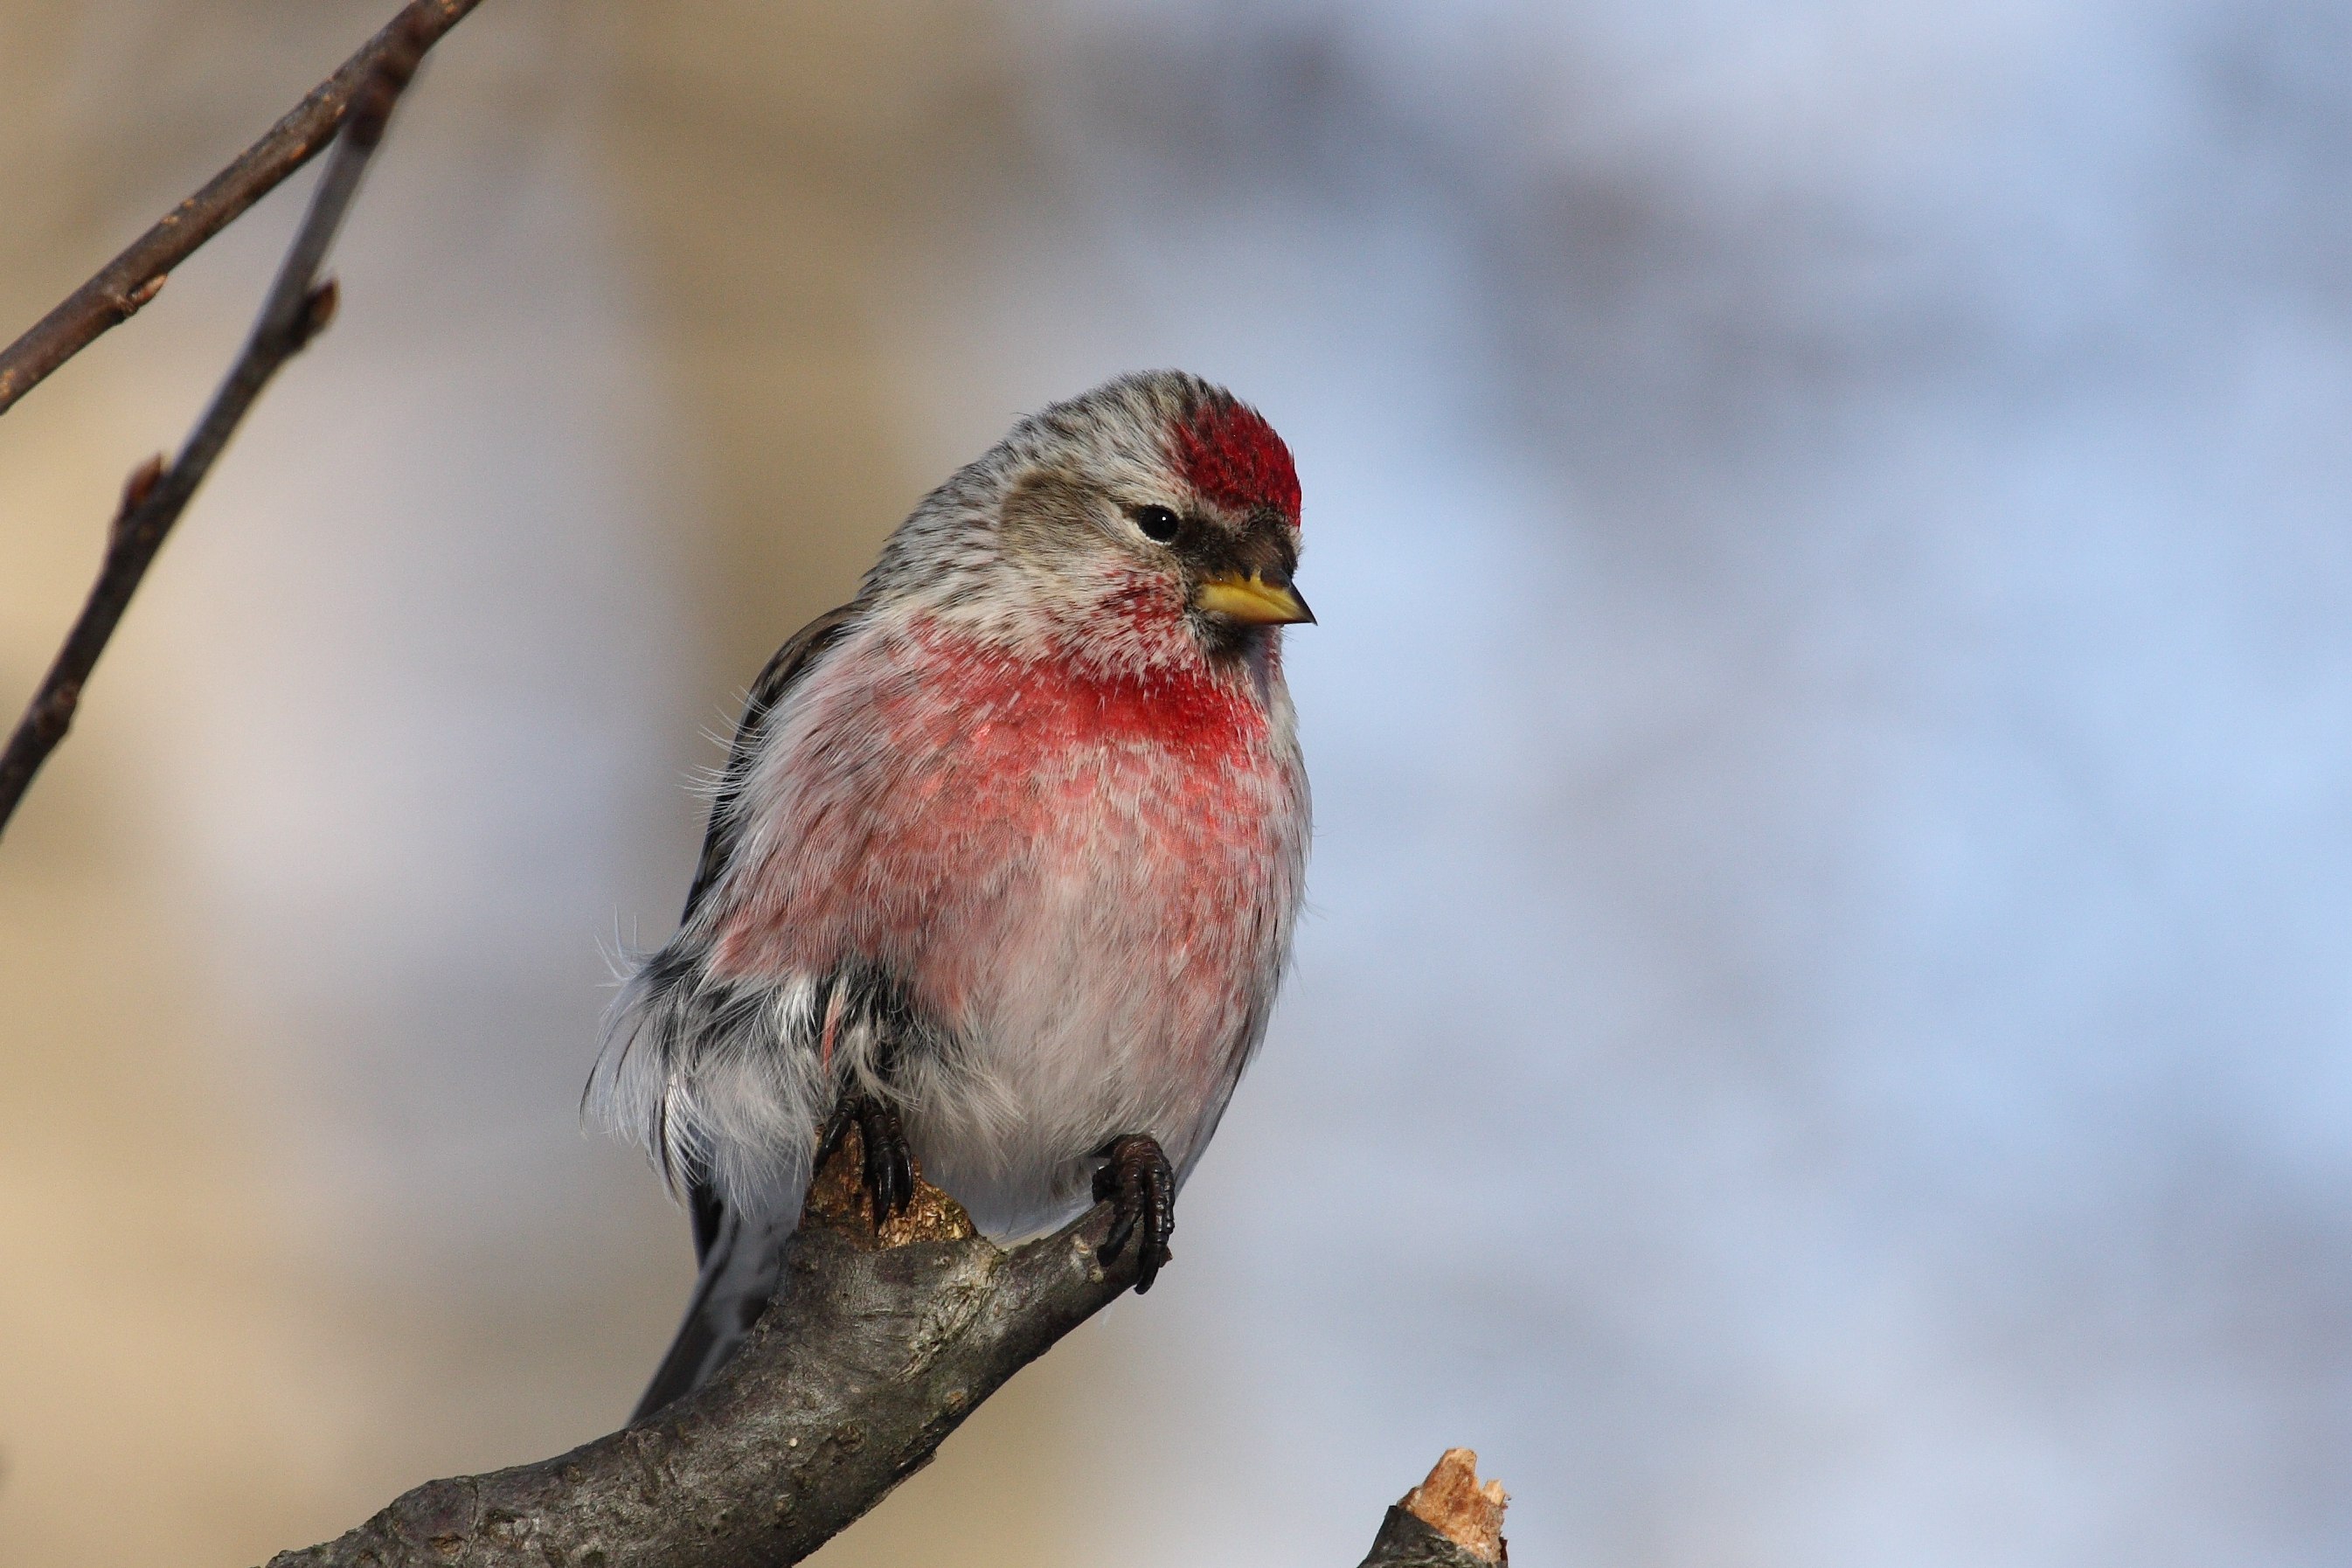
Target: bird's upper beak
x=1259, y=598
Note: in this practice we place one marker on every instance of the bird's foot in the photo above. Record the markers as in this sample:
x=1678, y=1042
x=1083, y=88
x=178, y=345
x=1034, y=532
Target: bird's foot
x=1140, y=1186
x=889, y=1163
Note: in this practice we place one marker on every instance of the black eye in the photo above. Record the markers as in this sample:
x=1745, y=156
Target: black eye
x=1157, y=523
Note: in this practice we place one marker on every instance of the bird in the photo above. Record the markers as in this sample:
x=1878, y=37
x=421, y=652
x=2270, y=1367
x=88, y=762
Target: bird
x=1003, y=866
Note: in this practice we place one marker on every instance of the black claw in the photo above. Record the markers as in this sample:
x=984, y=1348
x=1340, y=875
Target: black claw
x=1138, y=1181
x=836, y=1128
x=889, y=1166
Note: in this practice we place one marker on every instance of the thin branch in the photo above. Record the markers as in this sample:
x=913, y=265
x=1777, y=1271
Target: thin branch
x=296, y=309
x=132, y=278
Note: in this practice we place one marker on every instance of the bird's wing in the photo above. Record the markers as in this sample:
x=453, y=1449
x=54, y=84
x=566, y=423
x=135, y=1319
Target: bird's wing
x=791, y=662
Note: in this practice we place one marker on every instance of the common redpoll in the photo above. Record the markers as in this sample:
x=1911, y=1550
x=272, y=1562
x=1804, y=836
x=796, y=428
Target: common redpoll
x=1005, y=863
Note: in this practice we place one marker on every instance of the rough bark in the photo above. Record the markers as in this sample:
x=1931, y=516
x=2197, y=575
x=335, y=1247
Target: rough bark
x=871, y=1353
x=1406, y=1541
x=1451, y=1520
x=875, y=1347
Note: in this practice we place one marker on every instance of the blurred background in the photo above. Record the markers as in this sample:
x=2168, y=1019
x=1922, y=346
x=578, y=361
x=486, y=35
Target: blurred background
x=1822, y=1036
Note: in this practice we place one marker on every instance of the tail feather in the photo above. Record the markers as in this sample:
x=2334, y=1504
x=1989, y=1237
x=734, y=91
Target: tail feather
x=741, y=1263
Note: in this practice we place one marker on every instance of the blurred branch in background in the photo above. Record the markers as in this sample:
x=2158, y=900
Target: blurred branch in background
x=873, y=1350
x=132, y=278
x=296, y=309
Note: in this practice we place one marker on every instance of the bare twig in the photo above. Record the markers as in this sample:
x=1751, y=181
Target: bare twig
x=296, y=309
x=132, y=278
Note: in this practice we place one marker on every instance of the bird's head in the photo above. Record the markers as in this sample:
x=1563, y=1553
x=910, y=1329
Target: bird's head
x=1154, y=516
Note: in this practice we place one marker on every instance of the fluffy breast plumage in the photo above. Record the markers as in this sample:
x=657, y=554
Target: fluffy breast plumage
x=1083, y=880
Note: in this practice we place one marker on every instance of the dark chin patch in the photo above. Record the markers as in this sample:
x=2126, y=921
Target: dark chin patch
x=1225, y=638
x=1229, y=454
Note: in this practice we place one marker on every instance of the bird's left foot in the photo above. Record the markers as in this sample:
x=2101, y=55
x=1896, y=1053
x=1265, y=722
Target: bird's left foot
x=1140, y=1186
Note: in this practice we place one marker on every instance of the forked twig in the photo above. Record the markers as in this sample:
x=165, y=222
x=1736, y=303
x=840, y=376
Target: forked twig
x=132, y=278
x=297, y=307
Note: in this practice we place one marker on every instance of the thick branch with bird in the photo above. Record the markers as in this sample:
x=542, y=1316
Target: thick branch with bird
x=876, y=1346
x=879, y=1340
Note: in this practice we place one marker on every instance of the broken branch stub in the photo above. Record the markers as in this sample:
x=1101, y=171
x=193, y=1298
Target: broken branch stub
x=1450, y=1520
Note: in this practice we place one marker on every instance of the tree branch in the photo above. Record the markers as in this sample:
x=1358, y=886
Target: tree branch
x=872, y=1351
x=132, y=278
x=869, y=1355
x=296, y=309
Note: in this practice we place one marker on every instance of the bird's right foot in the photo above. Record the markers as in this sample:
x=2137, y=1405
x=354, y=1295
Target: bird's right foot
x=889, y=1161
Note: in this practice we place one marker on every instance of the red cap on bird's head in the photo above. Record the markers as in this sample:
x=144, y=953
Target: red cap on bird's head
x=1229, y=454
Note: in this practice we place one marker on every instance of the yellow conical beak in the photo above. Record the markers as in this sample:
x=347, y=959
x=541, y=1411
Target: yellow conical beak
x=1252, y=599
